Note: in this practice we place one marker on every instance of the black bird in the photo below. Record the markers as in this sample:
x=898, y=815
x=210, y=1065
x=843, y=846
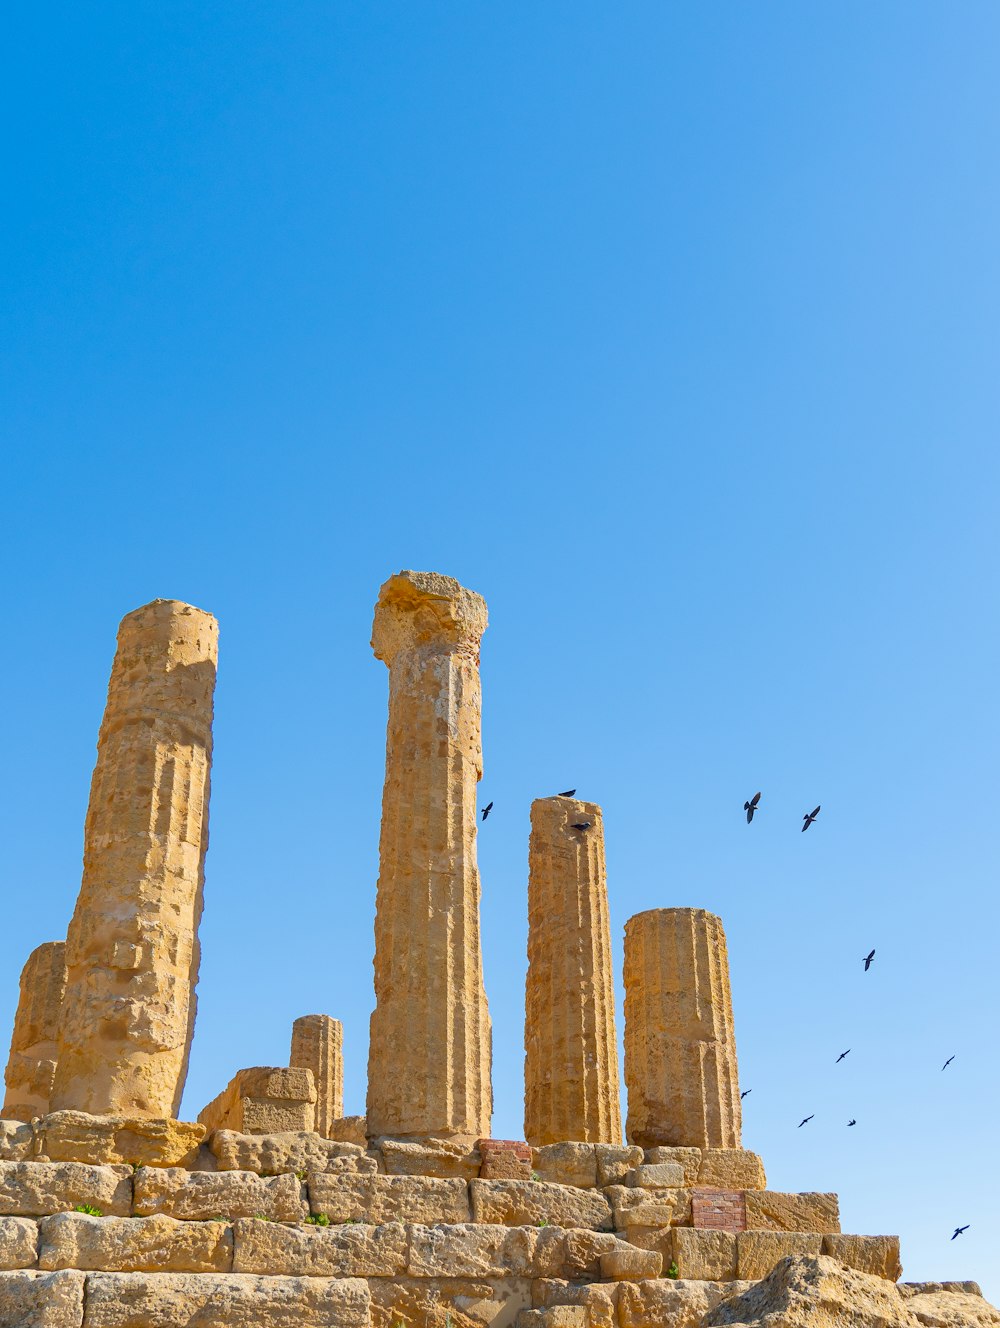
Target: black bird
x=959, y=1230
x=582, y=825
x=566, y=793
x=842, y=1055
x=868, y=959
x=744, y=1093
x=808, y=818
x=947, y=1062
x=850, y=1123
x=751, y=806
x=487, y=809
x=804, y=1122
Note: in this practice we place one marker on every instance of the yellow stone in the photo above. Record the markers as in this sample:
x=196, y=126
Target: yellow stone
x=33, y=1046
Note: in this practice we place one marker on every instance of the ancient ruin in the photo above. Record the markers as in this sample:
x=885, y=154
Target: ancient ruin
x=277, y=1210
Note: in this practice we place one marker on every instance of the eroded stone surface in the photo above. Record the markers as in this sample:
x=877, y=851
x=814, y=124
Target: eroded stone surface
x=318, y=1046
x=526, y=1203
x=135, y=1244
x=18, y=1243
x=17, y=1141
x=953, y=1309
x=275, y=1154
x=641, y=1208
x=486, y=1251
x=447, y=1302
x=311, y=1251
x=76, y=1136
x=381, y=1199
x=664, y=1301
x=628, y=1263
x=566, y=1164
x=757, y=1252
x=810, y=1291
x=31, y=1066
x=876, y=1255
x=708, y=1256
x=769, y=1210
x=615, y=1161
x=688, y=1158
x=36, y=1189
x=264, y=1099
x=656, y=1176
x=731, y=1169
x=197, y=1196
x=41, y=1300
x=430, y=1157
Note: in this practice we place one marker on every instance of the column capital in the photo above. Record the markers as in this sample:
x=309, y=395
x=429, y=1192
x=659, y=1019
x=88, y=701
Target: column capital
x=425, y=610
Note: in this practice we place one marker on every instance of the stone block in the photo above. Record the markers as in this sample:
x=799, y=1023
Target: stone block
x=731, y=1169
x=164, y=1300
x=311, y=1251
x=688, y=1158
x=600, y=1299
x=480, y=1251
x=504, y=1159
x=198, y=1196
x=76, y=1136
x=17, y=1141
x=37, y=1189
x=446, y=1302
x=264, y=1099
x=349, y=1130
x=640, y=1208
x=656, y=1176
x=704, y=1256
x=582, y=1250
x=18, y=1243
x=557, y=1316
x=628, y=1263
x=615, y=1161
x=876, y=1255
x=758, y=1251
x=768, y=1210
x=134, y=1244
x=41, y=1300
x=566, y=1164
x=381, y=1199
x=516, y=1203
x=681, y=1304
x=439, y=1158
x=276, y=1154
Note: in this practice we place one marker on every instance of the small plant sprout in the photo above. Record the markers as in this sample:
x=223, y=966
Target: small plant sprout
x=673, y=1271
x=89, y=1209
x=544, y=1222
x=318, y=1220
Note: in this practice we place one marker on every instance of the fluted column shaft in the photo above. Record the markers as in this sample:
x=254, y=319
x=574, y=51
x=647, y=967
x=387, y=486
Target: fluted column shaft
x=571, y=1088
x=33, y=1050
x=132, y=948
x=429, y=1053
x=318, y=1045
x=680, y=1049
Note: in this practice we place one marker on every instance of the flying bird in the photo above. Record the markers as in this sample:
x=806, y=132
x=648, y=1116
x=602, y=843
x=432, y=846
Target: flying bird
x=566, y=793
x=842, y=1055
x=751, y=806
x=582, y=825
x=744, y=1093
x=868, y=959
x=808, y=818
x=804, y=1122
x=487, y=809
x=850, y=1123
x=947, y=1062
x=959, y=1230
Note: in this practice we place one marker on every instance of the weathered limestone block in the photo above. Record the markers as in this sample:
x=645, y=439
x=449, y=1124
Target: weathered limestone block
x=615, y=1161
x=264, y=1099
x=429, y=1051
x=135, y=1244
x=815, y=1292
x=634, y=1207
x=688, y=1158
x=199, y=1195
x=17, y=1141
x=132, y=948
x=309, y=1251
x=33, y=1045
x=768, y=1210
x=382, y=1199
x=430, y=1157
x=349, y=1130
x=76, y=1136
x=583, y=1250
x=515, y=1203
x=731, y=1169
x=571, y=1088
x=559, y=1316
x=681, y=1304
x=41, y=1300
x=447, y=1302
x=36, y=1189
x=566, y=1164
x=875, y=1255
x=505, y=1159
x=757, y=1252
x=318, y=1046
x=600, y=1301
x=680, y=1051
x=951, y=1309
x=18, y=1243
x=628, y=1263
x=707, y=1256
x=486, y=1251
x=205, y=1300
x=907, y=1289
x=656, y=1176
x=275, y=1154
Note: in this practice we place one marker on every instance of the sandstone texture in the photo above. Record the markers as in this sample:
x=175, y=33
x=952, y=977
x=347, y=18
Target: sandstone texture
x=446, y=1302
x=41, y=1300
x=132, y=947
x=566, y=1164
x=877, y=1255
x=768, y=1210
x=381, y=1199
x=318, y=1046
x=430, y=1157
x=708, y=1256
x=634, y=1207
x=31, y=1067
x=680, y=1049
x=430, y=1045
x=505, y=1159
x=757, y=1252
x=17, y=1141
x=135, y=1245
x=273, y=1154
x=310, y=1251
x=665, y=1302
x=18, y=1243
x=687, y=1158
x=37, y=1189
x=571, y=1087
x=731, y=1169
x=526, y=1203
x=615, y=1161
x=76, y=1136
x=810, y=1291
x=199, y=1196
x=264, y=1099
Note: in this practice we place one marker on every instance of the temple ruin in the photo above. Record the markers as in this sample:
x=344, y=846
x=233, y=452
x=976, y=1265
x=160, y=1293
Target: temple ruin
x=276, y=1208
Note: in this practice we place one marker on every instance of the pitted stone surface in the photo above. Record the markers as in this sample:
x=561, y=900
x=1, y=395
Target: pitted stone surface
x=17, y=1141
x=310, y=1251
x=661, y=1300
x=731, y=1169
x=41, y=1300
x=875, y=1255
x=566, y=1164
x=769, y=1210
x=264, y=1099
x=33, y=1050
x=76, y=1136
x=757, y=1252
x=518, y=1203
x=275, y=1154
x=430, y=1157
x=198, y=1196
x=708, y=1256
x=381, y=1199
x=635, y=1207
x=37, y=1189
x=18, y=1243
x=615, y=1161
x=447, y=1302
x=135, y=1244
x=688, y=1158
x=318, y=1046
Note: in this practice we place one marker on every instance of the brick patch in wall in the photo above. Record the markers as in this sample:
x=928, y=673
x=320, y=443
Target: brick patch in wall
x=504, y=1159
x=719, y=1210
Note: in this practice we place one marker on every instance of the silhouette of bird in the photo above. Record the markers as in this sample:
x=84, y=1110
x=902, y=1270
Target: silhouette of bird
x=947, y=1062
x=959, y=1230
x=751, y=806
x=868, y=959
x=804, y=1122
x=842, y=1055
x=487, y=809
x=850, y=1123
x=744, y=1093
x=582, y=825
x=566, y=793
x=808, y=818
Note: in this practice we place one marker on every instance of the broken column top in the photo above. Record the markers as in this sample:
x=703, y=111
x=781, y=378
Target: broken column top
x=637, y=918
x=165, y=665
x=417, y=609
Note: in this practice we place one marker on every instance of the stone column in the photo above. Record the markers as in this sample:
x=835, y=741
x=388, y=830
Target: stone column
x=318, y=1045
x=571, y=1089
x=132, y=948
x=429, y=1054
x=32, y=1062
x=680, y=1051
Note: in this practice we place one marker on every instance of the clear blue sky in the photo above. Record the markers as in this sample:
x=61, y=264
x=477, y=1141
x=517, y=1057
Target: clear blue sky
x=672, y=330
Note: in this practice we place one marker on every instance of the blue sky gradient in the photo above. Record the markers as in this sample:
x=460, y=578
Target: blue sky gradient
x=672, y=330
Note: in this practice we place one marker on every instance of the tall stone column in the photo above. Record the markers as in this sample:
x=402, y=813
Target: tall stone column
x=680, y=1050
x=429, y=1054
x=132, y=948
x=571, y=1089
x=32, y=1063
x=318, y=1045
